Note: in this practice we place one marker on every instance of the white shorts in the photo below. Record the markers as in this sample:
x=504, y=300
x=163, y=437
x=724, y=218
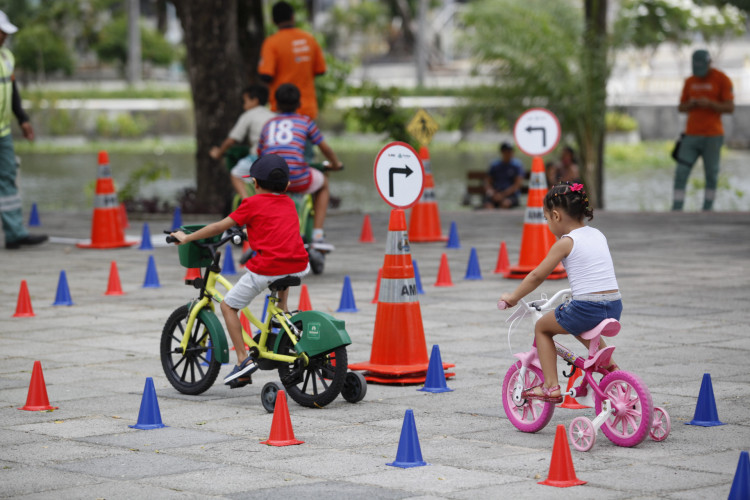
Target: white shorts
x=250, y=285
x=242, y=168
x=318, y=179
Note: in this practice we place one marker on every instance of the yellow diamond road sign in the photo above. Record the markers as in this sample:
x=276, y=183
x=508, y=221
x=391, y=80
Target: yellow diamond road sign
x=422, y=127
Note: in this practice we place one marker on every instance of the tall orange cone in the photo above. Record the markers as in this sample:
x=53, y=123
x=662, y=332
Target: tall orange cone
x=106, y=225
x=366, y=235
x=399, y=351
x=569, y=401
x=23, y=306
x=503, y=264
x=114, y=287
x=424, y=224
x=304, y=299
x=537, y=238
x=37, y=399
x=561, y=471
x=282, y=433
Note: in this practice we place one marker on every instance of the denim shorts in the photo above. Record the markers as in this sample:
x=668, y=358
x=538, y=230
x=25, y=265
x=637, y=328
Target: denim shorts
x=582, y=314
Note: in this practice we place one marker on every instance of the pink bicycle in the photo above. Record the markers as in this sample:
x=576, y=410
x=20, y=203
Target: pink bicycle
x=624, y=410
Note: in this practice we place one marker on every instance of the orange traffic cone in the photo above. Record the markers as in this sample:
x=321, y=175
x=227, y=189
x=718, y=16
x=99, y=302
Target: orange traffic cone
x=191, y=274
x=106, y=226
x=304, y=299
x=570, y=401
x=281, y=426
x=561, y=471
x=398, y=320
x=537, y=238
x=114, y=287
x=503, y=264
x=444, y=273
x=37, y=399
x=424, y=224
x=377, y=287
x=23, y=306
x=366, y=235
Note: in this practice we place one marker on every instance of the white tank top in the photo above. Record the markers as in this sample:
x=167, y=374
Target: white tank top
x=589, y=264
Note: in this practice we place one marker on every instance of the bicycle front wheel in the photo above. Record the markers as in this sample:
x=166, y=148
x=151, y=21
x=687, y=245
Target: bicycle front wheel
x=631, y=420
x=195, y=370
x=316, y=384
x=533, y=414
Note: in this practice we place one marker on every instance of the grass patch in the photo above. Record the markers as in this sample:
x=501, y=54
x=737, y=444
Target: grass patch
x=156, y=146
x=646, y=155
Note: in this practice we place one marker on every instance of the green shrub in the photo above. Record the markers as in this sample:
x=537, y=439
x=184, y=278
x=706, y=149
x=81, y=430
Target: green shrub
x=38, y=50
x=620, y=122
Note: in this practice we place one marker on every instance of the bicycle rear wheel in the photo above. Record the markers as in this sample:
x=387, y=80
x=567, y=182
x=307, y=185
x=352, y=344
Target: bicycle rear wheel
x=533, y=415
x=196, y=370
x=633, y=410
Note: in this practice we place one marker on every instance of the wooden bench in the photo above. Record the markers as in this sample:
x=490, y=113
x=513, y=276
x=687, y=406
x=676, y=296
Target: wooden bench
x=475, y=187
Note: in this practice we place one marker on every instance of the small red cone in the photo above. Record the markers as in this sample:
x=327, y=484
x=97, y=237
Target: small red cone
x=569, y=401
x=37, y=399
x=191, y=274
x=561, y=471
x=281, y=426
x=304, y=299
x=114, y=287
x=444, y=273
x=366, y=236
x=124, y=216
x=377, y=287
x=23, y=306
x=503, y=264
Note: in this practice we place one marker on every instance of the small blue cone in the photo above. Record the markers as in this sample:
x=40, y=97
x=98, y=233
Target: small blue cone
x=472, y=270
x=741, y=484
x=228, y=269
x=63, y=293
x=34, y=217
x=146, y=238
x=149, y=416
x=435, y=379
x=347, y=304
x=409, y=453
x=417, y=278
x=177, y=218
x=705, y=411
x=453, y=237
x=152, y=278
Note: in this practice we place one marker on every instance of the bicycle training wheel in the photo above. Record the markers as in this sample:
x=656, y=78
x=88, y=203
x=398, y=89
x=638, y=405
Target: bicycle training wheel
x=316, y=384
x=533, y=415
x=196, y=370
x=631, y=420
x=661, y=425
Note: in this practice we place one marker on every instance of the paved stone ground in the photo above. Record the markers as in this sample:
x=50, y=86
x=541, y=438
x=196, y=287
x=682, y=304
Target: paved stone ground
x=684, y=279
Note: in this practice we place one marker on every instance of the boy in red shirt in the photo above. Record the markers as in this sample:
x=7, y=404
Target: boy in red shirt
x=270, y=218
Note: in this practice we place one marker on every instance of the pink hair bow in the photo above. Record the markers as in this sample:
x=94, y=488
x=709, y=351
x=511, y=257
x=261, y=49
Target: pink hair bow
x=576, y=187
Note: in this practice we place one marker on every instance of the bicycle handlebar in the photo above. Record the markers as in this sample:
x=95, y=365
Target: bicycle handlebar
x=233, y=233
x=325, y=166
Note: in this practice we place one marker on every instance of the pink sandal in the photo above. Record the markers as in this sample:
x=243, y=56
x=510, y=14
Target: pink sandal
x=545, y=396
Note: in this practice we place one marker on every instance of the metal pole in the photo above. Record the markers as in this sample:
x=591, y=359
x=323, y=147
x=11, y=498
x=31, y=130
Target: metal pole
x=421, y=45
x=134, y=42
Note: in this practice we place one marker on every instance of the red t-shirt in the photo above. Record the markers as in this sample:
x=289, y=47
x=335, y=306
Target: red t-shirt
x=273, y=232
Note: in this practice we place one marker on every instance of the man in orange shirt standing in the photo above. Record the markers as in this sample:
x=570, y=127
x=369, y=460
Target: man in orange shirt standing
x=705, y=96
x=292, y=55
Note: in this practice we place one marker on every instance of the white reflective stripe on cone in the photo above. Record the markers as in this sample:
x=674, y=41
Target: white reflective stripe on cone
x=396, y=291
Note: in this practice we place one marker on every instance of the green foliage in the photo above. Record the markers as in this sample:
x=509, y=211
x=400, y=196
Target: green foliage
x=645, y=155
x=39, y=50
x=151, y=171
x=124, y=125
x=112, y=44
x=382, y=114
x=61, y=122
x=333, y=83
x=620, y=122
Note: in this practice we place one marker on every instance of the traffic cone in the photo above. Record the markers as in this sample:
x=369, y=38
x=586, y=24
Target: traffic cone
x=177, y=218
x=191, y=274
x=569, y=401
x=503, y=265
x=36, y=399
x=282, y=433
x=113, y=285
x=706, y=414
x=124, y=216
x=472, y=269
x=228, y=269
x=106, y=228
x=453, y=241
x=418, y=278
x=62, y=298
x=741, y=484
x=246, y=327
x=152, y=277
x=366, y=235
x=34, y=216
x=23, y=306
x=409, y=452
x=398, y=320
x=149, y=416
x=561, y=471
x=347, y=305
x=424, y=224
x=537, y=238
x=146, y=238
x=444, y=273
x=304, y=299
x=377, y=287
x=435, y=380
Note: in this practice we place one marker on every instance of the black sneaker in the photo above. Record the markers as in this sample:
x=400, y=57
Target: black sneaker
x=31, y=239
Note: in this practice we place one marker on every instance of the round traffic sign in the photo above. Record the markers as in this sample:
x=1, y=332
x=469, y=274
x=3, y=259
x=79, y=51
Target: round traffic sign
x=399, y=175
x=537, y=132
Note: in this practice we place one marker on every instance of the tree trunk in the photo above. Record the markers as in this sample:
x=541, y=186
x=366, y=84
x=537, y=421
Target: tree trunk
x=251, y=32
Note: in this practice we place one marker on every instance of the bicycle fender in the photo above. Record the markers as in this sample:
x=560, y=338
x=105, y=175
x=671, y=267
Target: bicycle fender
x=321, y=333
x=216, y=332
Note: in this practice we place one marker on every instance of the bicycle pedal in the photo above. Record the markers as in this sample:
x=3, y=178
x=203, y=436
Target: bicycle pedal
x=292, y=378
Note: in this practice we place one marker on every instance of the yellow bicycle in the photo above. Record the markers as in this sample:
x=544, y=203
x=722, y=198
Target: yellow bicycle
x=307, y=348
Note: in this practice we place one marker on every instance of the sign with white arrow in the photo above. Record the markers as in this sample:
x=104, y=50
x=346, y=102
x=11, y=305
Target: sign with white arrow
x=537, y=132
x=399, y=175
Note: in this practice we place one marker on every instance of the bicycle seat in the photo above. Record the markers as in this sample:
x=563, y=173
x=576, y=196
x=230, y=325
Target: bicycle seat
x=284, y=283
x=608, y=328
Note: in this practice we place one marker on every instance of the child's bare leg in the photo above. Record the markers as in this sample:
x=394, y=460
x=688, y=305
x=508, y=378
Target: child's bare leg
x=234, y=327
x=546, y=328
x=239, y=186
x=283, y=295
x=320, y=202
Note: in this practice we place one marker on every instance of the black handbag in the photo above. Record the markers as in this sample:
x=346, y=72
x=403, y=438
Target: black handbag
x=676, y=149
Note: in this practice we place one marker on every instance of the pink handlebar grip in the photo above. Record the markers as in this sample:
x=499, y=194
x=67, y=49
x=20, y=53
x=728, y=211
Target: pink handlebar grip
x=501, y=304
